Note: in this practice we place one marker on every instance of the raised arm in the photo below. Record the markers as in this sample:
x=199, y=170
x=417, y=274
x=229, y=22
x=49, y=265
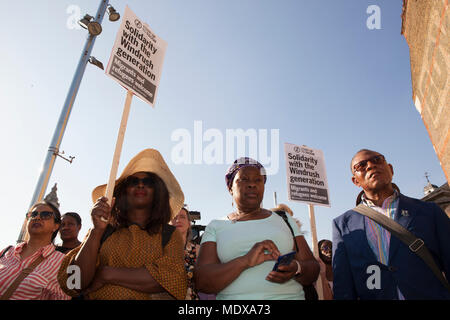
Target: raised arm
x=86, y=258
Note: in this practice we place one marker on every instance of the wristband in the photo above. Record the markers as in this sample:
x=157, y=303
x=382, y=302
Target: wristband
x=299, y=268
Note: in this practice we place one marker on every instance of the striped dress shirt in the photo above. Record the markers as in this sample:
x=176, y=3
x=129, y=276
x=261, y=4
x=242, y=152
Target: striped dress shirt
x=42, y=283
x=378, y=237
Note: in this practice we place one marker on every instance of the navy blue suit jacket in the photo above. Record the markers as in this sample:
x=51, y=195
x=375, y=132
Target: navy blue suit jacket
x=352, y=255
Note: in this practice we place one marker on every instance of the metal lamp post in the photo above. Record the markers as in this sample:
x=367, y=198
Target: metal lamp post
x=53, y=150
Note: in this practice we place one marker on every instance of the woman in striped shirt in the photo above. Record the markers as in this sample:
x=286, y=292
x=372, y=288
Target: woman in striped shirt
x=44, y=220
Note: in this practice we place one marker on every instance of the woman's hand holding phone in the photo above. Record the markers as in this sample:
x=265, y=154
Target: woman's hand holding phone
x=284, y=269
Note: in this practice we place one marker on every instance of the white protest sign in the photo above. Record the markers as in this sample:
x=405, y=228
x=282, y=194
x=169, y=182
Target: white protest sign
x=137, y=58
x=306, y=175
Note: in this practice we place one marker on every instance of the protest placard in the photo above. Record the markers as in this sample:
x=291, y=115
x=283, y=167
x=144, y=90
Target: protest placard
x=307, y=182
x=137, y=57
x=136, y=63
x=306, y=175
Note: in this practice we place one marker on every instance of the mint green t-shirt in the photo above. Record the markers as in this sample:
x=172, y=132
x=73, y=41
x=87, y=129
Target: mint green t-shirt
x=235, y=239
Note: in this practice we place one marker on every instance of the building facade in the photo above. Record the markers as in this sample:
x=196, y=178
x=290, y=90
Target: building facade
x=426, y=27
x=439, y=195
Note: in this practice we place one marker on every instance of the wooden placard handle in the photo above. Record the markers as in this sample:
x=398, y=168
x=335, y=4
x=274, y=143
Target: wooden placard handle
x=117, y=152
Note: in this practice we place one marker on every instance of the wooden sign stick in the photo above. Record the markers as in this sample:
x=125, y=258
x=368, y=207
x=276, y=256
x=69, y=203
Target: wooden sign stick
x=315, y=244
x=118, y=150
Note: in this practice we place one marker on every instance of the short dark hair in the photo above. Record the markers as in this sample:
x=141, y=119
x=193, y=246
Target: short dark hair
x=74, y=215
x=160, y=208
x=56, y=213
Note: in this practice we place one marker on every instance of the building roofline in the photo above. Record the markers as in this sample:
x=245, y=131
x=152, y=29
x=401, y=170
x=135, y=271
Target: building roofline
x=444, y=189
x=404, y=8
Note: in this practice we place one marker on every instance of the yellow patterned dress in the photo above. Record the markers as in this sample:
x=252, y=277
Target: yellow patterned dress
x=133, y=247
x=190, y=258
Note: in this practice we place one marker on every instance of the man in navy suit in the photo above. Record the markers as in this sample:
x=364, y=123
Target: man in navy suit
x=369, y=263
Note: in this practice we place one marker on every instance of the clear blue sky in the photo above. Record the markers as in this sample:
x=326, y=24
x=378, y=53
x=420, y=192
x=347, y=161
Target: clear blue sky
x=311, y=69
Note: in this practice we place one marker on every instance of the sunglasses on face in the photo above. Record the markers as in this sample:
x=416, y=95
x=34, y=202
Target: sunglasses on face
x=135, y=181
x=362, y=165
x=44, y=215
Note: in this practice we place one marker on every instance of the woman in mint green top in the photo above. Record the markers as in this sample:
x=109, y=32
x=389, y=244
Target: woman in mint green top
x=238, y=252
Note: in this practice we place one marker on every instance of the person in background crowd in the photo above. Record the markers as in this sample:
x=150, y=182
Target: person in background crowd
x=238, y=253
x=369, y=262
x=183, y=224
x=132, y=252
x=326, y=269
x=68, y=232
x=29, y=270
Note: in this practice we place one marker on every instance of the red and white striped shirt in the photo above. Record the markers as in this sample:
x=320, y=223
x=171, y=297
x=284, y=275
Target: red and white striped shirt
x=42, y=283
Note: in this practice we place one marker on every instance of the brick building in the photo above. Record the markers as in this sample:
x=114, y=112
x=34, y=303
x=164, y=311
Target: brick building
x=426, y=28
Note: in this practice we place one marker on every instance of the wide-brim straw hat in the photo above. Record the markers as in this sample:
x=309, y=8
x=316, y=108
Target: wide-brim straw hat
x=150, y=160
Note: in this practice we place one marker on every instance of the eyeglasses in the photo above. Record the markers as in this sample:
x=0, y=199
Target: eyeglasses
x=362, y=165
x=44, y=215
x=135, y=181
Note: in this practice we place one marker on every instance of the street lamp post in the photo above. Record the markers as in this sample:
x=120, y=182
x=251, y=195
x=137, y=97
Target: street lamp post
x=53, y=150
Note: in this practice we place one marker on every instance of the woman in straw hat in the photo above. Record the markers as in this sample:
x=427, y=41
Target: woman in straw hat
x=132, y=252
x=238, y=252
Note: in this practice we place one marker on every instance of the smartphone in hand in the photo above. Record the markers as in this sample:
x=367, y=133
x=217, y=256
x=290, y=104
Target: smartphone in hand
x=284, y=260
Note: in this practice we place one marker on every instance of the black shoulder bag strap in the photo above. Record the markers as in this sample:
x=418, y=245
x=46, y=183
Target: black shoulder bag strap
x=5, y=251
x=309, y=290
x=415, y=244
x=285, y=218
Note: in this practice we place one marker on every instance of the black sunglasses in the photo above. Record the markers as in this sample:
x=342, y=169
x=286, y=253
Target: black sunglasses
x=44, y=215
x=135, y=181
x=362, y=165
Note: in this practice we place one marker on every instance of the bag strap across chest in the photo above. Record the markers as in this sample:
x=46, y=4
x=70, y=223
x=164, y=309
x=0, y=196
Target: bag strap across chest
x=283, y=215
x=25, y=272
x=415, y=244
x=5, y=251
